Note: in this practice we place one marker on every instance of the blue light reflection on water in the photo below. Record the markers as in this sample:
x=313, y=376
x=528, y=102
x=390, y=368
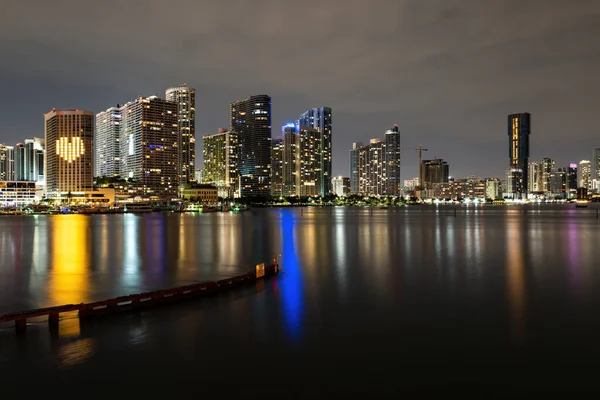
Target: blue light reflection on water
x=291, y=282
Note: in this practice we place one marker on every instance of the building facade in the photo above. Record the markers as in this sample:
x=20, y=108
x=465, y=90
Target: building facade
x=277, y=167
x=596, y=163
x=320, y=120
x=519, y=129
x=69, y=136
x=219, y=166
x=301, y=161
x=149, y=145
x=17, y=193
x=585, y=175
x=185, y=97
x=434, y=172
x=251, y=120
x=341, y=186
x=106, y=142
x=7, y=163
x=546, y=166
x=353, y=167
x=534, y=174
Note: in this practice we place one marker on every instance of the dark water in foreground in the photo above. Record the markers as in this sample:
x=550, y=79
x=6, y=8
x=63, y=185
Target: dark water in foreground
x=384, y=300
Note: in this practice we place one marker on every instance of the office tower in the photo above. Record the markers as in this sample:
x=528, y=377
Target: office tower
x=519, y=128
x=547, y=166
x=106, y=142
x=148, y=145
x=341, y=186
x=534, y=176
x=251, y=120
x=301, y=164
x=69, y=136
x=7, y=163
x=585, y=175
x=219, y=166
x=596, y=163
x=277, y=167
x=29, y=160
x=185, y=97
x=320, y=119
x=353, y=167
x=375, y=168
x=291, y=160
x=558, y=182
x=571, y=180
x=434, y=172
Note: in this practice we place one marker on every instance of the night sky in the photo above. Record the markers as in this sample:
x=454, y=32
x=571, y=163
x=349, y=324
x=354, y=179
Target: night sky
x=447, y=72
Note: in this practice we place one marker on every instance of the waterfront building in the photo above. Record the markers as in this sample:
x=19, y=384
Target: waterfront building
x=69, y=156
x=277, y=167
x=493, y=189
x=519, y=129
x=341, y=186
x=219, y=168
x=301, y=163
x=106, y=141
x=149, y=145
x=200, y=193
x=547, y=166
x=558, y=183
x=571, y=181
x=534, y=174
x=29, y=160
x=320, y=120
x=353, y=167
x=17, y=193
x=434, y=171
x=596, y=163
x=375, y=168
x=251, y=120
x=185, y=98
x=585, y=175
x=7, y=163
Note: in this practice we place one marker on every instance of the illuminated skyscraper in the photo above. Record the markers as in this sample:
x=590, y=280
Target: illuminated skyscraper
x=571, y=180
x=320, y=119
x=547, y=166
x=7, y=163
x=69, y=138
x=596, y=163
x=519, y=128
x=433, y=172
x=585, y=175
x=277, y=167
x=251, y=120
x=185, y=97
x=341, y=186
x=148, y=145
x=535, y=176
x=375, y=168
x=301, y=162
x=220, y=162
x=106, y=142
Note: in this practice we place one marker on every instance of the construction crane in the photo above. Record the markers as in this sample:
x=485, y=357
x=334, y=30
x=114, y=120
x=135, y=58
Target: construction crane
x=420, y=149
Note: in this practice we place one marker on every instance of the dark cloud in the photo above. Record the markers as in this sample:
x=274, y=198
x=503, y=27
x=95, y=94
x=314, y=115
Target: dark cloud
x=448, y=72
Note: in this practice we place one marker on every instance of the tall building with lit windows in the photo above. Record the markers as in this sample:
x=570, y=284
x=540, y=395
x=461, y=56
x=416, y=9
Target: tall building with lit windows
x=519, y=128
x=375, y=167
x=148, y=145
x=301, y=161
x=69, y=136
x=106, y=142
x=251, y=120
x=277, y=167
x=219, y=167
x=185, y=97
x=546, y=168
x=596, y=163
x=534, y=176
x=320, y=120
x=585, y=175
x=7, y=163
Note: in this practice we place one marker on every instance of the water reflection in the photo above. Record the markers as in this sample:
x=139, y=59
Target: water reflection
x=69, y=277
x=291, y=282
x=132, y=261
x=516, y=277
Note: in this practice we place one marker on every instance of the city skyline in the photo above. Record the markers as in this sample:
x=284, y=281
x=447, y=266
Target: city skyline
x=457, y=81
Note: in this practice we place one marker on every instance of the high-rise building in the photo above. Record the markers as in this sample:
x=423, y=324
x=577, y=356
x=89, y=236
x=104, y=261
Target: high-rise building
x=219, y=167
x=434, y=172
x=534, y=176
x=571, y=180
x=320, y=119
x=547, y=166
x=69, y=136
x=277, y=167
x=7, y=163
x=301, y=164
x=519, y=128
x=29, y=160
x=353, y=167
x=341, y=186
x=596, y=163
x=106, y=142
x=375, y=168
x=585, y=175
x=558, y=182
x=492, y=189
x=149, y=145
x=251, y=120
x=185, y=97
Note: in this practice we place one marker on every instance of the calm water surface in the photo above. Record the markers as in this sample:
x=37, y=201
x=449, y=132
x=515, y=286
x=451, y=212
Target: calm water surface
x=381, y=299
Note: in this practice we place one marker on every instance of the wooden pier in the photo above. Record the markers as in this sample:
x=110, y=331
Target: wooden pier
x=140, y=300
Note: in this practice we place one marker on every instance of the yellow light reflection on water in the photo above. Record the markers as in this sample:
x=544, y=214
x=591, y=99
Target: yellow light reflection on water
x=516, y=278
x=68, y=281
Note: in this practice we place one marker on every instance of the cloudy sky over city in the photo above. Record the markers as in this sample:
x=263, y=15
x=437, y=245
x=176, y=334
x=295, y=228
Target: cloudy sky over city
x=447, y=72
